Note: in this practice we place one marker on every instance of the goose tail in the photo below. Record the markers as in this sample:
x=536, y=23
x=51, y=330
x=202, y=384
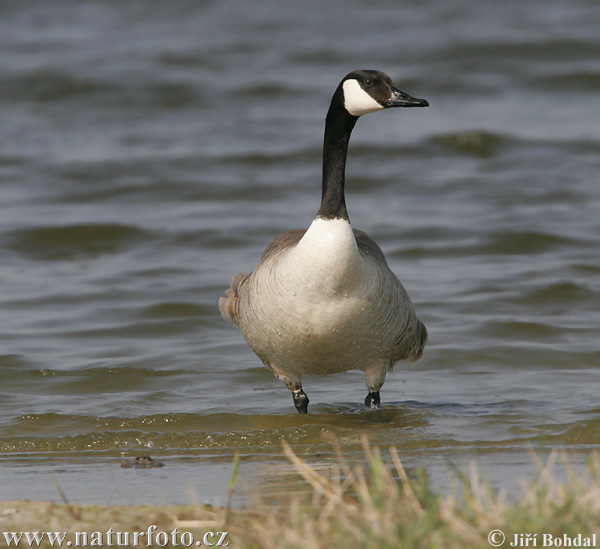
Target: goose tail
x=228, y=306
x=421, y=341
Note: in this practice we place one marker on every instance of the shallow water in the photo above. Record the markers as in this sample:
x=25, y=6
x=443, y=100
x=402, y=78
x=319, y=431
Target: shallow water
x=151, y=152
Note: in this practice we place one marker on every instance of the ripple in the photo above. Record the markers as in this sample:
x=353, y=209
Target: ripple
x=527, y=242
x=474, y=143
x=562, y=292
x=177, y=310
x=519, y=330
x=256, y=434
x=45, y=86
x=174, y=96
x=505, y=243
x=569, y=81
x=74, y=241
x=523, y=51
x=584, y=433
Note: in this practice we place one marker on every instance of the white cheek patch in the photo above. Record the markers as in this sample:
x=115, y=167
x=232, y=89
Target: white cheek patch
x=357, y=101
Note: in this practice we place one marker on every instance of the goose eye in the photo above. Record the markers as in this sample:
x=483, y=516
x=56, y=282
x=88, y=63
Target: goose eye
x=368, y=82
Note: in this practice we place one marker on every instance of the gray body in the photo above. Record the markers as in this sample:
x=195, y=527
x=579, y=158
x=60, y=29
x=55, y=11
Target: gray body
x=327, y=306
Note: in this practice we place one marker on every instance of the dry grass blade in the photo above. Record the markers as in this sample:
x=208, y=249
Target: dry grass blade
x=408, y=491
x=318, y=482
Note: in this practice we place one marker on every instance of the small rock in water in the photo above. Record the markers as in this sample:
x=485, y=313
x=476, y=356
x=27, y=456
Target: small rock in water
x=141, y=462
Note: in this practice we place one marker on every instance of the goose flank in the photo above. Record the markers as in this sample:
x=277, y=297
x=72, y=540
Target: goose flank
x=323, y=300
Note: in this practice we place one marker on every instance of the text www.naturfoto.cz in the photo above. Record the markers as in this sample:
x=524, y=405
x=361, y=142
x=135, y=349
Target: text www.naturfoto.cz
x=110, y=538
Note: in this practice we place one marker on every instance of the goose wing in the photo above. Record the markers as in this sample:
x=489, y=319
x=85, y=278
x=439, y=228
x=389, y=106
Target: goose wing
x=228, y=306
x=412, y=336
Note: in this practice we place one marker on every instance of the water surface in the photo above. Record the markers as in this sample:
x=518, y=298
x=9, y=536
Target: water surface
x=151, y=151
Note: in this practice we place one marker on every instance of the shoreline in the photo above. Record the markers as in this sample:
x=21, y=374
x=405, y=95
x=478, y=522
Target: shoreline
x=373, y=507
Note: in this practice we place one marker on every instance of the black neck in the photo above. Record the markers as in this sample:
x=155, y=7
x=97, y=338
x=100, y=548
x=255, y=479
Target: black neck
x=338, y=127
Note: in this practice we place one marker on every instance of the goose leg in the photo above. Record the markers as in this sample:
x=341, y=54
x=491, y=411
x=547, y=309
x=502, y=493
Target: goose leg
x=293, y=384
x=300, y=400
x=375, y=377
x=373, y=401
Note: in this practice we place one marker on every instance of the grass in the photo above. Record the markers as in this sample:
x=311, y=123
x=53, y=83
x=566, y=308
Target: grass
x=368, y=506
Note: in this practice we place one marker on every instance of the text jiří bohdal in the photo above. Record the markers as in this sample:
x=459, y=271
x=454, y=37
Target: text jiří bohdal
x=549, y=540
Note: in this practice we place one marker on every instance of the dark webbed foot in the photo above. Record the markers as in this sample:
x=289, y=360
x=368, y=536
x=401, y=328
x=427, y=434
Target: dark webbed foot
x=372, y=401
x=300, y=401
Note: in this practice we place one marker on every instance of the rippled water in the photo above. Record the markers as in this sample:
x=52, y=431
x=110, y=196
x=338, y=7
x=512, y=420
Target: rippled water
x=149, y=151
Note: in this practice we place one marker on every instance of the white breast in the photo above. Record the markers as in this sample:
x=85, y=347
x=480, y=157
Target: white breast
x=326, y=260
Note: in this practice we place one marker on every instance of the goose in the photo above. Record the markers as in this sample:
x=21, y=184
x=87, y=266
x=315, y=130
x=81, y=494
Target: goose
x=323, y=300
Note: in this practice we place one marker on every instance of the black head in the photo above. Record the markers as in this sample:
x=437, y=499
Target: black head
x=366, y=91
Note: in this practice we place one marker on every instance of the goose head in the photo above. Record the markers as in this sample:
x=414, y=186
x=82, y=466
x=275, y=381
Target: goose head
x=366, y=91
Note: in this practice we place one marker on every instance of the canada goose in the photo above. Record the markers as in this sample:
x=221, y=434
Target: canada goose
x=323, y=300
